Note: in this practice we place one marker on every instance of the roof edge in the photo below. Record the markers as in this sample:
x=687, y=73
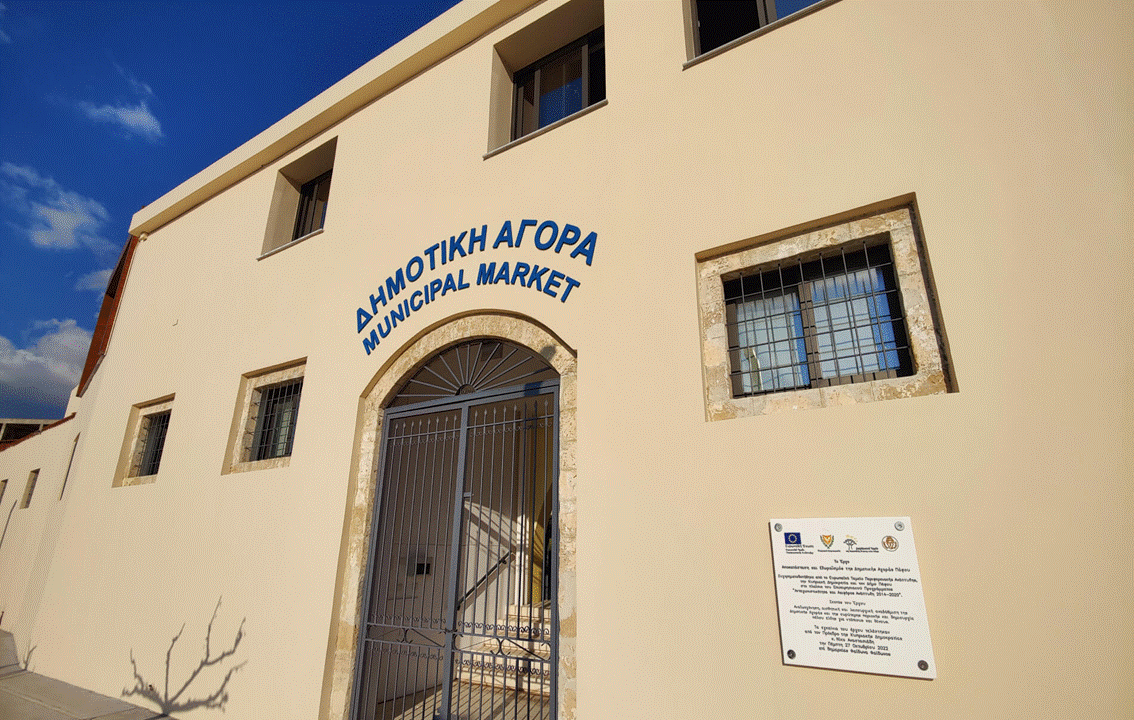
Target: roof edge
x=45, y=428
x=430, y=44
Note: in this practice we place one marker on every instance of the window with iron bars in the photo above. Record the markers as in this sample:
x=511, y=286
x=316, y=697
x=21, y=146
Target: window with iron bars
x=828, y=320
x=313, y=197
x=276, y=415
x=151, y=443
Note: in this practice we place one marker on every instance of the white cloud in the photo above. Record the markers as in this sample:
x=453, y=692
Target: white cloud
x=4, y=37
x=137, y=119
x=95, y=281
x=42, y=374
x=133, y=117
x=54, y=217
x=139, y=87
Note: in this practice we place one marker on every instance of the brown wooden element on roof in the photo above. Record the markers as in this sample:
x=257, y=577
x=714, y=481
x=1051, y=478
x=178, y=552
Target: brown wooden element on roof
x=107, y=313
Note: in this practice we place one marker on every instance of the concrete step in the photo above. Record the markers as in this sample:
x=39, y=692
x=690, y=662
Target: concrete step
x=517, y=660
x=531, y=622
x=525, y=673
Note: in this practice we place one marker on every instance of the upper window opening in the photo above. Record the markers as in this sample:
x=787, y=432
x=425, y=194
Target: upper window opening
x=560, y=84
x=719, y=22
x=313, y=198
x=547, y=71
x=833, y=320
x=300, y=199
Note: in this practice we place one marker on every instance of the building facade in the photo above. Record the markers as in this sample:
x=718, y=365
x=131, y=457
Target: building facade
x=470, y=387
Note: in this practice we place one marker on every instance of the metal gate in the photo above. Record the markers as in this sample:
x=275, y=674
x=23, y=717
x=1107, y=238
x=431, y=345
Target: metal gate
x=460, y=618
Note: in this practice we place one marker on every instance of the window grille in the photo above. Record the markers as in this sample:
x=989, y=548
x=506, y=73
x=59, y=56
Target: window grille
x=275, y=423
x=830, y=320
x=560, y=84
x=152, y=441
x=313, y=197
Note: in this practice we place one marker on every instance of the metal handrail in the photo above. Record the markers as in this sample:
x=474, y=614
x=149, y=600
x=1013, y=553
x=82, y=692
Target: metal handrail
x=484, y=578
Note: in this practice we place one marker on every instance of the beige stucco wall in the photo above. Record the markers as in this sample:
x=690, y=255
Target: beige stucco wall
x=1011, y=125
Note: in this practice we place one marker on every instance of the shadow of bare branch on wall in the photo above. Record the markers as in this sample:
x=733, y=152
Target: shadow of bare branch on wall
x=181, y=699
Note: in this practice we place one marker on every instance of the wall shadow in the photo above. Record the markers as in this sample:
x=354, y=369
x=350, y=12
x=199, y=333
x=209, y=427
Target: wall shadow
x=181, y=698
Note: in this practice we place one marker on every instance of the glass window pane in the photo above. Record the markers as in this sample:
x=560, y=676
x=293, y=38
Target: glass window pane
x=561, y=87
x=772, y=354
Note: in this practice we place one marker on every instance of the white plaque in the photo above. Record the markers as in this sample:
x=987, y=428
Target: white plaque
x=849, y=596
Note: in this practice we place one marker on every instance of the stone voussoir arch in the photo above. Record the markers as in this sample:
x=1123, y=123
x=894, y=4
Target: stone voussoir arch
x=354, y=555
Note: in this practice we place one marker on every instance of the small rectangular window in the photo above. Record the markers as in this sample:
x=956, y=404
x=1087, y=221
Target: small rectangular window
x=3, y=487
x=265, y=419
x=560, y=84
x=151, y=441
x=144, y=444
x=313, y=197
x=275, y=423
x=33, y=477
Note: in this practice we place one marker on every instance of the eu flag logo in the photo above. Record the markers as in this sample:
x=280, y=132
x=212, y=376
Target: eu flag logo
x=791, y=538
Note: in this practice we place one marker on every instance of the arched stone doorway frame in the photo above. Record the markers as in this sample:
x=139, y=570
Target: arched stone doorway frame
x=354, y=553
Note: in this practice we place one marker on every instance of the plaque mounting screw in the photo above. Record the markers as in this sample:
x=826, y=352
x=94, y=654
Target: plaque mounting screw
x=923, y=665
x=900, y=526
x=779, y=527
x=791, y=655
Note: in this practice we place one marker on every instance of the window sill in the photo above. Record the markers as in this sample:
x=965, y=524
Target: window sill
x=757, y=33
x=293, y=243
x=544, y=129
x=138, y=480
x=250, y=465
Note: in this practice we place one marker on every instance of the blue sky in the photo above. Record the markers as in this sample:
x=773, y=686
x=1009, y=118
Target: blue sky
x=105, y=107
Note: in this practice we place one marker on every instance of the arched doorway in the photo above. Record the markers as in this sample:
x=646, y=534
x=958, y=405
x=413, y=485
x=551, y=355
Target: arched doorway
x=459, y=615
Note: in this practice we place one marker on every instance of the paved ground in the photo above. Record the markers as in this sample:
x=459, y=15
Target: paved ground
x=30, y=696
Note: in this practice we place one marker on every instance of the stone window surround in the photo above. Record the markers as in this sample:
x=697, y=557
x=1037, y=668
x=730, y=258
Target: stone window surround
x=923, y=325
x=133, y=444
x=243, y=431
x=354, y=560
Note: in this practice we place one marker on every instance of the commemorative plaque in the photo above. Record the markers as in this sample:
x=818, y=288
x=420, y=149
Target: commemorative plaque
x=849, y=596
